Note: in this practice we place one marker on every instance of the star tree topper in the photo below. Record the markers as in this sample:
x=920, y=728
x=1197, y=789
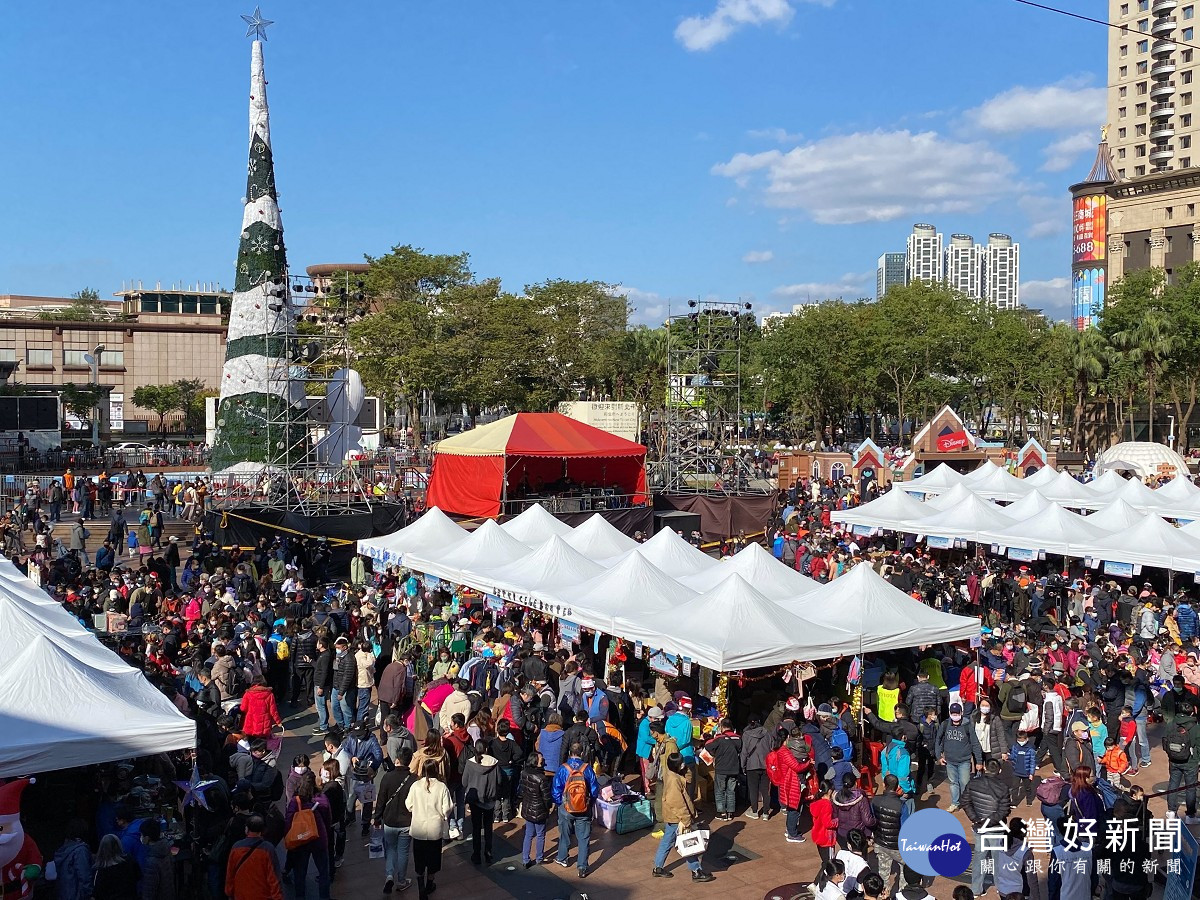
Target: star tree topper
x=257, y=25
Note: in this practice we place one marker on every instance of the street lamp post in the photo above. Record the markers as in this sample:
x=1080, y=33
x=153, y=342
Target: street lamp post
x=1171, y=433
x=93, y=361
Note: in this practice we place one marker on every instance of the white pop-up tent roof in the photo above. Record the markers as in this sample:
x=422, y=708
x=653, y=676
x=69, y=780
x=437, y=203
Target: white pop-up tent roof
x=673, y=555
x=968, y=519
x=1136, y=494
x=551, y=567
x=958, y=494
x=597, y=539
x=980, y=473
x=940, y=480
x=632, y=586
x=860, y=612
x=534, y=525
x=995, y=483
x=433, y=533
x=58, y=712
x=1042, y=477
x=892, y=510
x=758, y=567
x=1073, y=494
x=67, y=700
x=1031, y=504
x=1054, y=530
x=1150, y=542
x=1178, y=490
x=731, y=627
x=1106, y=484
x=1116, y=517
x=487, y=546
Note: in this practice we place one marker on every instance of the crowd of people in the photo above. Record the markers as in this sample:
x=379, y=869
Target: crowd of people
x=439, y=718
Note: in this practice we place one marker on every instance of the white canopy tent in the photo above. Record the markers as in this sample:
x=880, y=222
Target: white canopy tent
x=58, y=712
x=1150, y=542
x=598, y=540
x=1178, y=490
x=671, y=554
x=433, y=533
x=535, y=525
x=995, y=483
x=1031, y=504
x=1106, y=484
x=1073, y=494
x=860, y=612
x=891, y=510
x=1136, y=494
x=1115, y=517
x=487, y=546
x=958, y=494
x=632, y=586
x=1054, y=530
x=1042, y=477
x=968, y=519
x=67, y=700
x=731, y=627
x=553, y=566
x=758, y=567
x=940, y=480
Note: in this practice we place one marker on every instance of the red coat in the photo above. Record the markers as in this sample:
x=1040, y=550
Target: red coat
x=796, y=781
x=261, y=713
x=824, y=827
x=968, y=686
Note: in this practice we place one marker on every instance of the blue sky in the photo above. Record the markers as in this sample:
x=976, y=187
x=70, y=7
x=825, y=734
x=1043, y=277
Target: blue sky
x=762, y=149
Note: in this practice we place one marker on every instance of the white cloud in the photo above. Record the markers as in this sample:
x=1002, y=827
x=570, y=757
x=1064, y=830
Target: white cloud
x=649, y=308
x=1055, y=107
x=698, y=33
x=1052, y=296
x=758, y=256
x=778, y=135
x=876, y=176
x=1047, y=215
x=851, y=286
x=1062, y=153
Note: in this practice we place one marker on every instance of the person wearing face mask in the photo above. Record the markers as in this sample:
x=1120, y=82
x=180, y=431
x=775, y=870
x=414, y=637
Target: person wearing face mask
x=989, y=728
x=300, y=765
x=345, y=683
x=958, y=749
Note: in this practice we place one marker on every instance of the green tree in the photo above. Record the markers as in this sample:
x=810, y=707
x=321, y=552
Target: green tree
x=189, y=400
x=159, y=398
x=86, y=306
x=81, y=401
x=1087, y=361
x=583, y=324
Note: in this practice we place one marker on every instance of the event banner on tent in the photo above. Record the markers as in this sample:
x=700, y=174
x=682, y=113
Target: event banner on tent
x=1119, y=569
x=939, y=543
x=1019, y=555
x=568, y=632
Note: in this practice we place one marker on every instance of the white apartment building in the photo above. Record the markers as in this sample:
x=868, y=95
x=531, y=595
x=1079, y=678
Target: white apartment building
x=924, y=259
x=1002, y=271
x=964, y=265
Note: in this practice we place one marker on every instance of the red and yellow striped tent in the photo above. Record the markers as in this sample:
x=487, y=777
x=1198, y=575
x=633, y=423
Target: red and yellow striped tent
x=531, y=455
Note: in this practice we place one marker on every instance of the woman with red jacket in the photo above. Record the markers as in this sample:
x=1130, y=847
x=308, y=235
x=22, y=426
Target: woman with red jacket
x=792, y=772
x=824, y=823
x=258, y=707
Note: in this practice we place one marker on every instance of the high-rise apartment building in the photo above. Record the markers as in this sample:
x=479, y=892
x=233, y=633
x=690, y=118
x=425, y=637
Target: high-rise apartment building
x=964, y=265
x=1140, y=211
x=1002, y=271
x=889, y=271
x=923, y=262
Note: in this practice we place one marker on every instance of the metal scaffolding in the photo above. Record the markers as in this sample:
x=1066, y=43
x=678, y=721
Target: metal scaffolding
x=702, y=421
x=312, y=356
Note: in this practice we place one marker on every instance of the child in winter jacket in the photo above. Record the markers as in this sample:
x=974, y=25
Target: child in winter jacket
x=840, y=768
x=1023, y=757
x=1115, y=761
x=824, y=823
x=897, y=761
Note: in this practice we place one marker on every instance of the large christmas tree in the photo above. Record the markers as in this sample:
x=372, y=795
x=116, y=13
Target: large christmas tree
x=259, y=419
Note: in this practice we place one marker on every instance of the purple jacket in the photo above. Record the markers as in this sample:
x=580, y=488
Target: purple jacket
x=855, y=812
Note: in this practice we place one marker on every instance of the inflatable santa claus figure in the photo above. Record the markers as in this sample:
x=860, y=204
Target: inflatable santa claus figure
x=20, y=859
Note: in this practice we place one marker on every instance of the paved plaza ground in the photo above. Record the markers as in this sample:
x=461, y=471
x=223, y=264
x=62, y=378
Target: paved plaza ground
x=749, y=857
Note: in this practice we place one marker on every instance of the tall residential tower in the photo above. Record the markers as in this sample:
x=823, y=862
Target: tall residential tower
x=923, y=261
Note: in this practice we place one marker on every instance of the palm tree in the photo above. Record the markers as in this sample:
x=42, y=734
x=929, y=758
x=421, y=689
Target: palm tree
x=1147, y=344
x=1087, y=360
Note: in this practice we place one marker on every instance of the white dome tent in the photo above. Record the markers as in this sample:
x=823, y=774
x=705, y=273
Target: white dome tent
x=1143, y=458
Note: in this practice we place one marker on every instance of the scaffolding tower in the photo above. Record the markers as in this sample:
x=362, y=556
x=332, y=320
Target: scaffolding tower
x=313, y=359
x=702, y=422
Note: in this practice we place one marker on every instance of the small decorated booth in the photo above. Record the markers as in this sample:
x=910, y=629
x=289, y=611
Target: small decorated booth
x=528, y=457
